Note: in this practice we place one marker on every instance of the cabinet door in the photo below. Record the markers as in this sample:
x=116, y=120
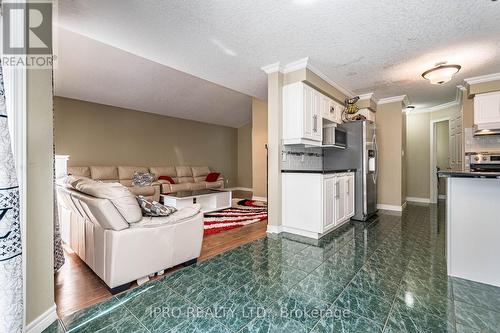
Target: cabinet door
x=329, y=202
x=487, y=108
x=309, y=110
x=339, y=199
x=349, y=195
x=317, y=119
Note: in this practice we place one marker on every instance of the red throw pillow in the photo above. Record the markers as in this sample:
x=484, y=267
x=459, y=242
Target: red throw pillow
x=212, y=177
x=167, y=178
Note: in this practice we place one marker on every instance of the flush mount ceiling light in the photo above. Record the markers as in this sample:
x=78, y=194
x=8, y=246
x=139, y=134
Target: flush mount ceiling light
x=441, y=74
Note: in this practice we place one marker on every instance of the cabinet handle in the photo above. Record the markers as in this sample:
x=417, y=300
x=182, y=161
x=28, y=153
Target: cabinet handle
x=315, y=119
x=348, y=185
x=337, y=190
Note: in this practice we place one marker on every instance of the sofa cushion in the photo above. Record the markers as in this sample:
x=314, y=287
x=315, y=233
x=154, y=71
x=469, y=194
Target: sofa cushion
x=168, y=179
x=184, y=171
x=124, y=201
x=79, y=171
x=163, y=171
x=127, y=172
x=200, y=171
x=104, y=172
x=146, y=191
x=143, y=179
x=180, y=187
x=197, y=186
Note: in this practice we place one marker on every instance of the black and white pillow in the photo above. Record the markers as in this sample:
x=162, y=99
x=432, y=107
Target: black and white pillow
x=153, y=208
x=142, y=178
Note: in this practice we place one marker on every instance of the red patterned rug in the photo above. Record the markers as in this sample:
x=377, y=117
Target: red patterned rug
x=242, y=212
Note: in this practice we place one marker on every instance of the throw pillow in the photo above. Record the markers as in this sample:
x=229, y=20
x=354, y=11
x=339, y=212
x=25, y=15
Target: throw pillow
x=167, y=178
x=153, y=208
x=142, y=178
x=212, y=177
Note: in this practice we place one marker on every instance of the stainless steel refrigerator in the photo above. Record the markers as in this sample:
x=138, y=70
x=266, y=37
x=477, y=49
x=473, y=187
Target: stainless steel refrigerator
x=361, y=154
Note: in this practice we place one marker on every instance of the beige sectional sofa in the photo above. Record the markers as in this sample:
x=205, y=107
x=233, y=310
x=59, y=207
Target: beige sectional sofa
x=187, y=178
x=103, y=224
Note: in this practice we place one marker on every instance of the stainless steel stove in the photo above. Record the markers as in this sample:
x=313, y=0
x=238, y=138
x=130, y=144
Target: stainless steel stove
x=484, y=162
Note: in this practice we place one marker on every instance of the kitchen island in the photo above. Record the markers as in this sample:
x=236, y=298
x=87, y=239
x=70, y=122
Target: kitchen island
x=473, y=225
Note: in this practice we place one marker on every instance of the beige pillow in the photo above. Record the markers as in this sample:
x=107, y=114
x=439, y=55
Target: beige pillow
x=124, y=201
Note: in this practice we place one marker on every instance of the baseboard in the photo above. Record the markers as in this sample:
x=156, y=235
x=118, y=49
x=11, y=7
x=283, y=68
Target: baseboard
x=239, y=189
x=391, y=207
x=43, y=321
x=259, y=198
x=442, y=197
x=274, y=229
x=300, y=232
x=419, y=200
x=403, y=206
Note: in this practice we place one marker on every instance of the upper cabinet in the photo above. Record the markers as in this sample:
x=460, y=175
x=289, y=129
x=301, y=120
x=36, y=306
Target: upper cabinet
x=303, y=111
x=487, y=110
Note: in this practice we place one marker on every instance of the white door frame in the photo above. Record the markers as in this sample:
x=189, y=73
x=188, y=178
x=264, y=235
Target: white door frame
x=433, y=179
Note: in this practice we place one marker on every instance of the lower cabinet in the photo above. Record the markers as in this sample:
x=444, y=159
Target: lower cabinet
x=314, y=203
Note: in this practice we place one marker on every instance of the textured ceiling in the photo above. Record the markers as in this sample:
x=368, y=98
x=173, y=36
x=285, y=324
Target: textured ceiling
x=96, y=72
x=367, y=46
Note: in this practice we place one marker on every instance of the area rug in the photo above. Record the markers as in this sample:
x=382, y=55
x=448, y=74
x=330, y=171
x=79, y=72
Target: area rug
x=242, y=212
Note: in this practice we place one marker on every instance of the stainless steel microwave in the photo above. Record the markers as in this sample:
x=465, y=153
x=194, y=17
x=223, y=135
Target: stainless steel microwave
x=334, y=136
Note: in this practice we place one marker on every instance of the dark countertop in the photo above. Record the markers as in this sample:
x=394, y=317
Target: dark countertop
x=468, y=174
x=318, y=171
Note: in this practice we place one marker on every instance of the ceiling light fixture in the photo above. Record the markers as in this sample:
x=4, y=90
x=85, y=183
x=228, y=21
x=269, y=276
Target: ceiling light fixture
x=441, y=74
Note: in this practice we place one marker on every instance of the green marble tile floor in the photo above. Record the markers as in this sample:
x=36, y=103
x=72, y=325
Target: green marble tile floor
x=388, y=275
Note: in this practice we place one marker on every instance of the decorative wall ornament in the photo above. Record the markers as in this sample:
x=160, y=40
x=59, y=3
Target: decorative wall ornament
x=350, y=110
x=11, y=269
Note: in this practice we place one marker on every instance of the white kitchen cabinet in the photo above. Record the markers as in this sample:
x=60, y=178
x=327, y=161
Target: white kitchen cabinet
x=313, y=204
x=350, y=198
x=340, y=198
x=302, y=115
x=329, y=208
x=487, y=110
x=455, y=141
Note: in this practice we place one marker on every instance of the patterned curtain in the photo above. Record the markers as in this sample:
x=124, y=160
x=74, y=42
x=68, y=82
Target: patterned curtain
x=11, y=269
x=58, y=249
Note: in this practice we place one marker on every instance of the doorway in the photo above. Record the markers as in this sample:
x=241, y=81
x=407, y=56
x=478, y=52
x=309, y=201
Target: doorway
x=440, y=157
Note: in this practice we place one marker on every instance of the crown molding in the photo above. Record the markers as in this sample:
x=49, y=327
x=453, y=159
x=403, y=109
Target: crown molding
x=272, y=68
x=365, y=96
x=436, y=108
x=305, y=63
x=401, y=99
x=483, y=78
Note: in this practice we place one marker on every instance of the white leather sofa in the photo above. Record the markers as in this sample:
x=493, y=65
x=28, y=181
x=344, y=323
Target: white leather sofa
x=187, y=178
x=103, y=224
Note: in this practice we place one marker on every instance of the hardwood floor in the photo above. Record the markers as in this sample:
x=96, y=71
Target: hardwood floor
x=77, y=287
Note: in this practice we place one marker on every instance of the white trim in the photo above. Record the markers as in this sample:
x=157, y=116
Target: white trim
x=259, y=198
x=436, y=108
x=483, y=78
x=272, y=68
x=402, y=99
x=442, y=197
x=301, y=232
x=238, y=189
x=296, y=65
x=365, y=96
x=274, y=229
x=391, y=207
x=43, y=321
x=305, y=63
x=419, y=200
x=337, y=86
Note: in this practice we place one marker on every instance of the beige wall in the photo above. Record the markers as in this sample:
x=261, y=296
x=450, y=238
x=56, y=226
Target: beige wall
x=39, y=195
x=259, y=141
x=484, y=87
x=390, y=142
x=418, y=150
x=418, y=154
x=96, y=134
x=245, y=156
